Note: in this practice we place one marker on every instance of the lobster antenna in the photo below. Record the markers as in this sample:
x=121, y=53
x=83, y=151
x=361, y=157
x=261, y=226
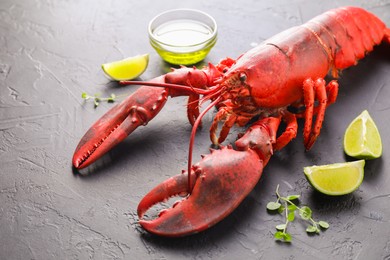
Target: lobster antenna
x=192, y=138
x=211, y=96
x=169, y=85
x=205, y=98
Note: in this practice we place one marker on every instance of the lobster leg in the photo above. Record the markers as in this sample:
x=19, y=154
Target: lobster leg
x=224, y=114
x=193, y=108
x=289, y=133
x=386, y=38
x=221, y=180
x=316, y=90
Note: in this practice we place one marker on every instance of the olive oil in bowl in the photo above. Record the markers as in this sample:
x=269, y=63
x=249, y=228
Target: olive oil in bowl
x=183, y=36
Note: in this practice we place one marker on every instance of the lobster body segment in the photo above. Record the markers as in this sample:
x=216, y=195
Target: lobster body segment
x=285, y=71
x=262, y=65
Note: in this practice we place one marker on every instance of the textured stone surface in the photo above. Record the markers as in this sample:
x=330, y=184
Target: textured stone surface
x=51, y=51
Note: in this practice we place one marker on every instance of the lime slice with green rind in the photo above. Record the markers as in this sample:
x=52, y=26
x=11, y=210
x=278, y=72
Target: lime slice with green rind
x=362, y=139
x=126, y=69
x=336, y=179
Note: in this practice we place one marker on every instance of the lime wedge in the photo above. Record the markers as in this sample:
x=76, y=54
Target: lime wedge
x=126, y=69
x=362, y=139
x=336, y=179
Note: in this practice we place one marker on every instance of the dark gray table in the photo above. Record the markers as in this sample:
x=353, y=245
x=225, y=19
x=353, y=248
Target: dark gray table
x=51, y=51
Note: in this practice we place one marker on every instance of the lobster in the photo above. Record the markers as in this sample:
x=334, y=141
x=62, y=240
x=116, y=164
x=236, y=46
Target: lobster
x=281, y=79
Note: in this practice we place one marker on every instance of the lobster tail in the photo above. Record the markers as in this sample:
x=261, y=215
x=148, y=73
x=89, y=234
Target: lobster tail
x=348, y=33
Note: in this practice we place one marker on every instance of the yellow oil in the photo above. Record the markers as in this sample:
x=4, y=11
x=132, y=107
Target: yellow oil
x=183, y=58
x=183, y=41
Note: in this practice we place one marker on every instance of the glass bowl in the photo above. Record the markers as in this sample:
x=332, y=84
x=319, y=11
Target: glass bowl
x=183, y=36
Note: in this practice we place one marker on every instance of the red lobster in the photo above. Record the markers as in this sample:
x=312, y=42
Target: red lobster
x=285, y=71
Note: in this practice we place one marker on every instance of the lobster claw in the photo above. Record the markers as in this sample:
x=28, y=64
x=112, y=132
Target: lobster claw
x=221, y=181
x=121, y=120
x=140, y=107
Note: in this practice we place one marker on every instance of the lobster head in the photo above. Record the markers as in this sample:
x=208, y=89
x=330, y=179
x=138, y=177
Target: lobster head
x=256, y=76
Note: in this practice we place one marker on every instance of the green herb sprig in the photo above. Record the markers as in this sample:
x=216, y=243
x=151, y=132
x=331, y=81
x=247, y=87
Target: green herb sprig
x=286, y=206
x=97, y=99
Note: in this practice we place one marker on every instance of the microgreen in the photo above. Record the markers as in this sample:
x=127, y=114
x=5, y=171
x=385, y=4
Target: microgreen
x=286, y=207
x=97, y=99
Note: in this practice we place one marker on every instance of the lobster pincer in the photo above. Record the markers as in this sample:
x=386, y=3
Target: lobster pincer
x=220, y=182
x=114, y=126
x=141, y=107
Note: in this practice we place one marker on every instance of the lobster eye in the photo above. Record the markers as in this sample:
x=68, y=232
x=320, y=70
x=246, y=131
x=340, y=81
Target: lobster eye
x=242, y=77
